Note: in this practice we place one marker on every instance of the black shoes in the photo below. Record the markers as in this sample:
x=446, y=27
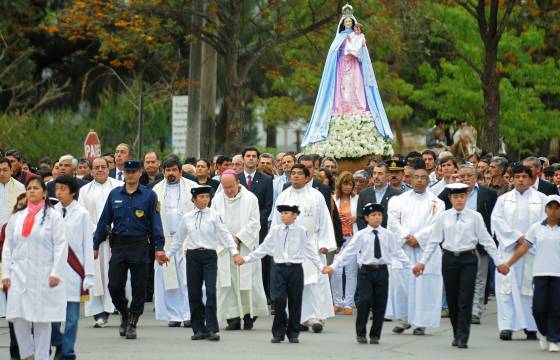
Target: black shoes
x=276, y=339
x=531, y=335
x=374, y=341
x=212, y=336
x=187, y=324
x=361, y=339
x=294, y=340
x=174, y=324
x=317, y=327
x=303, y=328
x=248, y=322
x=124, y=324
x=400, y=329
x=419, y=331
x=199, y=336
x=505, y=335
x=131, y=327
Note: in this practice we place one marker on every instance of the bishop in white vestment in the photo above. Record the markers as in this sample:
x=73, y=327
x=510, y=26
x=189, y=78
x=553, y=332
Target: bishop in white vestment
x=240, y=290
x=171, y=299
x=93, y=196
x=416, y=301
x=513, y=215
x=317, y=302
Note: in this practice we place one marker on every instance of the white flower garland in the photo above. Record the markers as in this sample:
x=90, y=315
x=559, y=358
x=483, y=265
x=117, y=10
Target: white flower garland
x=351, y=136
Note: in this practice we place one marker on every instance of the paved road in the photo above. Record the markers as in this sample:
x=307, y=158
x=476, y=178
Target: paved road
x=156, y=341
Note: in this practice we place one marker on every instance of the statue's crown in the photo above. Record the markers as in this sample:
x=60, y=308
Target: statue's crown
x=347, y=10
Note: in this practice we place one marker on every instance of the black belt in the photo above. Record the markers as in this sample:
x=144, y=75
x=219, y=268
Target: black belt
x=460, y=253
x=288, y=264
x=375, y=266
x=201, y=249
x=130, y=239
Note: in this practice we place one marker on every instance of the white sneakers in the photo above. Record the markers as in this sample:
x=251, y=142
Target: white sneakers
x=553, y=347
x=543, y=342
x=100, y=323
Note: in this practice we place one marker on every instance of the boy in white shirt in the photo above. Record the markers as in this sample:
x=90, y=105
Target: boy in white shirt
x=376, y=248
x=288, y=244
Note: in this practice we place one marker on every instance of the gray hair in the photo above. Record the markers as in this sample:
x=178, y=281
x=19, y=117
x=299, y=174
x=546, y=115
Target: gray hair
x=468, y=165
x=267, y=156
x=535, y=160
x=361, y=174
x=130, y=150
x=502, y=162
x=328, y=158
x=237, y=157
x=71, y=158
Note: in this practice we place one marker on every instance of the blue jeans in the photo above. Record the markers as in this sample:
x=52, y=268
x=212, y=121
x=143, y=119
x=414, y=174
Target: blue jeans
x=67, y=339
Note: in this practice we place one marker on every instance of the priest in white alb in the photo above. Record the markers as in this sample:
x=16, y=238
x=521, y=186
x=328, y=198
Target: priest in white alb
x=93, y=196
x=411, y=216
x=171, y=298
x=513, y=215
x=314, y=216
x=240, y=290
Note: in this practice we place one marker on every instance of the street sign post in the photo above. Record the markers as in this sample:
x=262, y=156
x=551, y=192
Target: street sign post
x=92, y=145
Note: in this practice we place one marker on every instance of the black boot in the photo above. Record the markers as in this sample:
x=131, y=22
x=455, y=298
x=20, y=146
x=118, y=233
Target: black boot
x=131, y=328
x=124, y=323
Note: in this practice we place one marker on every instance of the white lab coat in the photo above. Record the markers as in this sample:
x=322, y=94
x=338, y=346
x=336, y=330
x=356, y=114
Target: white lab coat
x=29, y=262
x=240, y=289
x=418, y=298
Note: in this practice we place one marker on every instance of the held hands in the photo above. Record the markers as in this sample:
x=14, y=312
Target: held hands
x=411, y=241
x=418, y=269
x=95, y=254
x=323, y=250
x=238, y=260
x=53, y=281
x=6, y=283
x=503, y=268
x=88, y=282
x=327, y=270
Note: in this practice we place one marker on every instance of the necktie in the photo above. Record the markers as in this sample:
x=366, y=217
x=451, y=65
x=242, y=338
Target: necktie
x=287, y=228
x=458, y=216
x=376, y=246
x=64, y=212
x=119, y=175
x=249, y=182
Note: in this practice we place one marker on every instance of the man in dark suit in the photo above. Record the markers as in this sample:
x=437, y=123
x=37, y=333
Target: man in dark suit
x=123, y=153
x=67, y=166
x=481, y=199
x=539, y=184
x=261, y=185
x=379, y=193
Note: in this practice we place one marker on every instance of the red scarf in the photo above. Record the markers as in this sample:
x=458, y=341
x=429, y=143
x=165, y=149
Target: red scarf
x=32, y=210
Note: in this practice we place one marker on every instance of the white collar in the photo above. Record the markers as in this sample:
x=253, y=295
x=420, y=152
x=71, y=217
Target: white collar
x=252, y=175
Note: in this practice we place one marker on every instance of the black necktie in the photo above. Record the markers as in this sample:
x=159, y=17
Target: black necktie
x=63, y=212
x=287, y=228
x=376, y=246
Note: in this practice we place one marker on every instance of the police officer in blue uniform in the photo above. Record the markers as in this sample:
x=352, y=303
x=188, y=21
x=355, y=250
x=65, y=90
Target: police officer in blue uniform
x=133, y=211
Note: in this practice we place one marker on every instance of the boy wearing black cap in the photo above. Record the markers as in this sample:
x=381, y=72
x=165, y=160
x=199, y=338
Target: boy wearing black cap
x=459, y=230
x=201, y=229
x=288, y=244
x=375, y=248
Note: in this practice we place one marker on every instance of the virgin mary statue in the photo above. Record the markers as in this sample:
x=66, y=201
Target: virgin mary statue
x=348, y=119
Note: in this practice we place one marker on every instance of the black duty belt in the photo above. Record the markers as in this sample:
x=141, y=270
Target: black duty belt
x=375, y=266
x=288, y=264
x=459, y=253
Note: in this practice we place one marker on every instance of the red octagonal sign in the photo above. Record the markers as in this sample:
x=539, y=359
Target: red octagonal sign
x=92, y=145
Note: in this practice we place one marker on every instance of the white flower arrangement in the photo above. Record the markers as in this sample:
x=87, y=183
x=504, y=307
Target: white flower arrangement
x=351, y=136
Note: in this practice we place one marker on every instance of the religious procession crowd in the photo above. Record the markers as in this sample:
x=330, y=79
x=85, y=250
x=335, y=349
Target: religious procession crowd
x=218, y=244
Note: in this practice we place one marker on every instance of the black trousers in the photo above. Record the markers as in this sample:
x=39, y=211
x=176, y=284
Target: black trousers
x=151, y=271
x=459, y=278
x=372, y=292
x=128, y=255
x=287, y=286
x=202, y=268
x=546, y=306
x=266, y=263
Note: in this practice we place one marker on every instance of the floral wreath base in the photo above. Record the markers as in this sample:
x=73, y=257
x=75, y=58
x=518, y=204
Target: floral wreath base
x=351, y=136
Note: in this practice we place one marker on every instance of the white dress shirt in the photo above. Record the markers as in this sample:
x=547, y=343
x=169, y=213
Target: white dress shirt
x=203, y=228
x=287, y=244
x=460, y=231
x=547, y=242
x=362, y=245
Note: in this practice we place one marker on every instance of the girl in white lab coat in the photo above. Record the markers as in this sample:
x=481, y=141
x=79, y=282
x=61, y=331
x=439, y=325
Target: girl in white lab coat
x=34, y=258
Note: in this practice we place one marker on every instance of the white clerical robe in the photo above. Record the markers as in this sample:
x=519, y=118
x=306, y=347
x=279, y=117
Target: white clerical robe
x=28, y=263
x=513, y=215
x=314, y=217
x=171, y=299
x=240, y=289
x=92, y=197
x=416, y=300
x=8, y=197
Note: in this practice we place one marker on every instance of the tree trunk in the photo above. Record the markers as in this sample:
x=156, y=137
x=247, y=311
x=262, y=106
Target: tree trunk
x=397, y=125
x=195, y=72
x=235, y=116
x=271, y=136
x=490, y=137
x=208, y=100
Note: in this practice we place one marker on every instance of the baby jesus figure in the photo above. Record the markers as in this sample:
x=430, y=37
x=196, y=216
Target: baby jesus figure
x=355, y=41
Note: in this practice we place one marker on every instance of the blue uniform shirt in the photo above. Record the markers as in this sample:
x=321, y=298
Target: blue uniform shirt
x=135, y=214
